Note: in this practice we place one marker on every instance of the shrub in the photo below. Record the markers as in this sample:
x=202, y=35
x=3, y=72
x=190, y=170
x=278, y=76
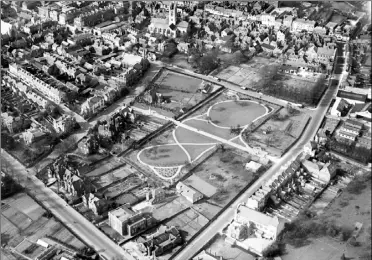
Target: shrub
x=274, y=250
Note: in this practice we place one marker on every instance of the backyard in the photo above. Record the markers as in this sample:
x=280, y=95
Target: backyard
x=23, y=222
x=225, y=172
x=219, y=247
x=353, y=205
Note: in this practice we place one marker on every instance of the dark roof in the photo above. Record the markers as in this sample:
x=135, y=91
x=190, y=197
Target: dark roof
x=267, y=46
x=172, y=27
x=351, y=95
x=354, y=123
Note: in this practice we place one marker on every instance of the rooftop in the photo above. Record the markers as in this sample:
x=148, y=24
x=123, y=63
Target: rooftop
x=122, y=213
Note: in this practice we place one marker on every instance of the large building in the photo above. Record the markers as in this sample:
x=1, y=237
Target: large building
x=254, y=222
x=169, y=27
x=126, y=222
x=163, y=240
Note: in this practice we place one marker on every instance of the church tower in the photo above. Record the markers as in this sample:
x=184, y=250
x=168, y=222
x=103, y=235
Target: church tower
x=172, y=13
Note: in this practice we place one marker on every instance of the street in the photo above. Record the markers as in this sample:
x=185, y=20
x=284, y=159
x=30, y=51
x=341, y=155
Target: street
x=106, y=247
x=79, y=225
x=192, y=248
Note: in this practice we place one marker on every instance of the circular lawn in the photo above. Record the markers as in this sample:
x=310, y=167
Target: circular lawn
x=163, y=156
x=233, y=113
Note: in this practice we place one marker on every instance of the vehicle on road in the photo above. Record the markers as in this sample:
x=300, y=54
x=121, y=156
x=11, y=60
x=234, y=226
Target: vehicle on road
x=244, y=88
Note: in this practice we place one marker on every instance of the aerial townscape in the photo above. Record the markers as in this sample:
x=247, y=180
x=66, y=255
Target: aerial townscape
x=186, y=130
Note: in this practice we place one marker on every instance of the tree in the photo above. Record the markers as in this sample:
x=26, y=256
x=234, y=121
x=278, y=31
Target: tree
x=208, y=63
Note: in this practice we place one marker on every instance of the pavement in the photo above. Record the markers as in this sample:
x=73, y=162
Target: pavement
x=198, y=243
x=69, y=217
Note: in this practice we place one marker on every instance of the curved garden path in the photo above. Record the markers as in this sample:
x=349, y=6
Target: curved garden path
x=194, y=146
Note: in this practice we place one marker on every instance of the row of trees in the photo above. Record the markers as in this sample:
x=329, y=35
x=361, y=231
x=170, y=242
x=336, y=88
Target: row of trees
x=303, y=94
x=359, y=153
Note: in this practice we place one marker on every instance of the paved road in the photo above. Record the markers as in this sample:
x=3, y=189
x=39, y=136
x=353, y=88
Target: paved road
x=85, y=125
x=189, y=251
x=69, y=217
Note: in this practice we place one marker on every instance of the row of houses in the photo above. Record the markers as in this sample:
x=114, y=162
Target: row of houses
x=27, y=74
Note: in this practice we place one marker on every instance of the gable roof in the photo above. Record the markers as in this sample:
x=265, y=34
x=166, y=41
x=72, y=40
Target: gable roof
x=257, y=217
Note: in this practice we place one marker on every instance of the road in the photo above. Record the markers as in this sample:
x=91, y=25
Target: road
x=66, y=214
x=189, y=251
x=85, y=125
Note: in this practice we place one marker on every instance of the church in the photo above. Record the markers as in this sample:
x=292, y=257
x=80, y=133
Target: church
x=169, y=27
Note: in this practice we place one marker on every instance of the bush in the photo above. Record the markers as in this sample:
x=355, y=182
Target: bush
x=274, y=250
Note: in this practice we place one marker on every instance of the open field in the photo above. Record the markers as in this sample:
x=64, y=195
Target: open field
x=253, y=74
x=22, y=217
x=343, y=212
x=225, y=171
x=179, y=91
x=263, y=74
x=276, y=135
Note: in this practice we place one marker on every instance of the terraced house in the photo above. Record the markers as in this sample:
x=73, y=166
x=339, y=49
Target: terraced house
x=54, y=92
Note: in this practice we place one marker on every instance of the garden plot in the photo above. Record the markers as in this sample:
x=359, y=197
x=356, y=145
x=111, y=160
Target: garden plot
x=225, y=171
x=29, y=249
x=253, y=74
x=127, y=198
x=277, y=134
x=17, y=225
x=172, y=205
x=189, y=222
x=180, y=91
x=104, y=166
x=126, y=185
x=113, y=176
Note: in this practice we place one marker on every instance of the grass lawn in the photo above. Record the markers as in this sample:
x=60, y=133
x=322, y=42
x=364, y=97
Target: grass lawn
x=196, y=150
x=184, y=135
x=225, y=171
x=168, y=155
x=209, y=128
x=282, y=132
x=235, y=113
x=178, y=81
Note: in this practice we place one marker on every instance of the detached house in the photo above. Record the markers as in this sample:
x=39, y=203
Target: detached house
x=165, y=239
x=189, y=193
x=98, y=205
x=92, y=105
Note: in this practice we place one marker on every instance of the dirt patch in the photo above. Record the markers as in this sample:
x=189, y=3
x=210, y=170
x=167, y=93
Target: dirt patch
x=225, y=171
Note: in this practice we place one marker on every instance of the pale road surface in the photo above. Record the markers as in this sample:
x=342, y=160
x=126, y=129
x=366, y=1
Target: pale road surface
x=59, y=208
x=198, y=243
